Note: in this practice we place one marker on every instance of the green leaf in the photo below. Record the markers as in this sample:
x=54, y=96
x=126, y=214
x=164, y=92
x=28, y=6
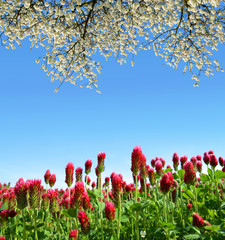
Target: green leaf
x=222, y=206
x=29, y=227
x=181, y=173
x=150, y=205
x=116, y=214
x=188, y=194
x=219, y=174
x=204, y=178
x=212, y=228
x=124, y=218
x=210, y=173
x=65, y=212
x=175, y=176
x=169, y=226
x=72, y=212
x=201, y=191
x=3, y=207
x=101, y=205
x=135, y=207
x=40, y=225
x=192, y=236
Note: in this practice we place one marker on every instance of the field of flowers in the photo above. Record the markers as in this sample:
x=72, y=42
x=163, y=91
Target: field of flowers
x=162, y=202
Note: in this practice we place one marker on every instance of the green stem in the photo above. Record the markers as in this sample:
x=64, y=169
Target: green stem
x=24, y=225
x=86, y=183
x=132, y=227
x=100, y=189
x=136, y=188
x=181, y=205
x=119, y=217
x=35, y=225
x=196, y=200
x=145, y=189
x=165, y=208
x=137, y=226
x=136, y=222
x=114, y=234
x=107, y=192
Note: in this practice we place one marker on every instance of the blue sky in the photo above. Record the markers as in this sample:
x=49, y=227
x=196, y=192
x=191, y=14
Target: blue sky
x=150, y=105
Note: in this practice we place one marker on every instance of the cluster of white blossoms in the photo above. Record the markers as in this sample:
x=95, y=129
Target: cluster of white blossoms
x=73, y=31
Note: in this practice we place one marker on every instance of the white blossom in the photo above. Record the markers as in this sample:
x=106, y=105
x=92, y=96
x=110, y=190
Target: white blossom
x=72, y=32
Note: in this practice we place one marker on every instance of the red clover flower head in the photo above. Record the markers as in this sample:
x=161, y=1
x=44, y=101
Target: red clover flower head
x=153, y=162
x=116, y=183
x=183, y=160
x=199, y=166
x=107, y=181
x=194, y=161
x=136, y=160
x=189, y=206
x=151, y=176
x=79, y=172
x=87, y=180
x=21, y=190
x=69, y=174
x=165, y=183
x=143, y=167
x=163, y=161
x=189, y=175
x=85, y=202
x=110, y=211
x=175, y=161
x=52, y=180
x=197, y=220
x=206, y=158
x=101, y=159
x=88, y=165
x=73, y=234
x=213, y=160
x=221, y=161
x=84, y=221
x=97, y=172
x=158, y=167
x=34, y=193
x=47, y=176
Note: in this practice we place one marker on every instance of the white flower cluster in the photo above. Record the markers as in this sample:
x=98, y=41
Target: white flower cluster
x=72, y=31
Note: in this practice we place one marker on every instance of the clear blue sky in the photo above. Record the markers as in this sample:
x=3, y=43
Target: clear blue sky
x=150, y=105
